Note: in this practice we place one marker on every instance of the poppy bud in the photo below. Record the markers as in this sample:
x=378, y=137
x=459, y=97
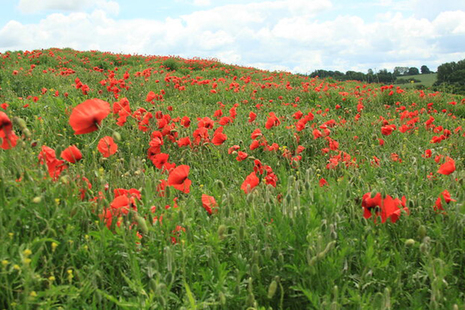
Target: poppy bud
x=222, y=298
x=256, y=256
x=424, y=248
x=37, y=199
x=161, y=288
x=116, y=135
x=409, y=242
x=313, y=260
x=422, y=231
x=268, y=253
x=329, y=246
x=272, y=289
x=255, y=270
x=153, y=285
x=221, y=230
x=335, y=293
x=65, y=179
x=250, y=300
x=241, y=232
x=181, y=216
x=250, y=285
x=20, y=122
x=27, y=133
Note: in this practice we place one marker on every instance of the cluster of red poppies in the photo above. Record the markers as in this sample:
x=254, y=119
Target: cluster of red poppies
x=212, y=130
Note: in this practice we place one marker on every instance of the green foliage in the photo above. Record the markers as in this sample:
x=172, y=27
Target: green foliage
x=451, y=77
x=413, y=71
x=171, y=64
x=425, y=70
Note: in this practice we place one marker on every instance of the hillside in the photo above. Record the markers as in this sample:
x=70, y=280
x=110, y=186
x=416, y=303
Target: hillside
x=427, y=80
x=155, y=182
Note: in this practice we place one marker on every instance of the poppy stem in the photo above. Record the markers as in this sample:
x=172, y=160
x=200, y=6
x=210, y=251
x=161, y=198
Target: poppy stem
x=98, y=135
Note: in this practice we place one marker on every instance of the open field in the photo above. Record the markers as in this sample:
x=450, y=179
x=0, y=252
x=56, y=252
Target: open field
x=426, y=79
x=134, y=182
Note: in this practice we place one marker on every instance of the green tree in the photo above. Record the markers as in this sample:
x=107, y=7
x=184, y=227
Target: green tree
x=413, y=71
x=451, y=77
x=400, y=71
x=425, y=70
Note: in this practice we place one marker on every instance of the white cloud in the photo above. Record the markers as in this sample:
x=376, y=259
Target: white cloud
x=34, y=6
x=430, y=9
x=275, y=35
x=202, y=2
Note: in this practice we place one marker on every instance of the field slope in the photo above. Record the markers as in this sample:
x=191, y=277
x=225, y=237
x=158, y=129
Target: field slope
x=150, y=182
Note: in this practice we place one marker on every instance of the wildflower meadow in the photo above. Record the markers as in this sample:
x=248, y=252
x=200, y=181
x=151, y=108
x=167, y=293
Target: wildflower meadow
x=150, y=182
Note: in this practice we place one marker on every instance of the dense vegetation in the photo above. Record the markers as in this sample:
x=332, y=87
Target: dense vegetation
x=451, y=77
x=146, y=182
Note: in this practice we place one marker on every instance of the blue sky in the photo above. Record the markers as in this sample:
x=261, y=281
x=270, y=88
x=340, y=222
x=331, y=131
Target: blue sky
x=290, y=35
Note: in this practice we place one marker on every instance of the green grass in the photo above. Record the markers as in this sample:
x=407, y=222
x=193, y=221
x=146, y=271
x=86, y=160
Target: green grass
x=296, y=245
x=425, y=79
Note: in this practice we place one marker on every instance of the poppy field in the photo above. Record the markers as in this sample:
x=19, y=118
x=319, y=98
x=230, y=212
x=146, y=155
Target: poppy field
x=150, y=182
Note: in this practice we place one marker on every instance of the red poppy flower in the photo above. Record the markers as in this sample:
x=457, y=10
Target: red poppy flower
x=71, y=154
x=369, y=203
x=250, y=182
x=150, y=96
x=185, y=121
x=178, y=178
x=9, y=141
x=159, y=160
x=323, y=182
x=258, y=166
x=7, y=135
x=252, y=117
x=255, y=144
x=386, y=208
x=209, y=204
x=317, y=134
x=272, y=121
x=186, y=141
x=205, y=122
x=298, y=115
x=391, y=208
x=55, y=166
x=388, y=129
x=6, y=125
x=219, y=137
x=447, y=198
x=271, y=179
x=225, y=120
x=233, y=148
x=87, y=116
x=107, y=146
x=241, y=156
x=428, y=154
x=448, y=167
x=121, y=204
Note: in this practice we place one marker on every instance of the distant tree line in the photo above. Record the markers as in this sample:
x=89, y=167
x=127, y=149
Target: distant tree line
x=382, y=76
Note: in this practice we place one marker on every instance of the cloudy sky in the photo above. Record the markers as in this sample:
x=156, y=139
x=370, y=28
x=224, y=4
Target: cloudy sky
x=291, y=35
